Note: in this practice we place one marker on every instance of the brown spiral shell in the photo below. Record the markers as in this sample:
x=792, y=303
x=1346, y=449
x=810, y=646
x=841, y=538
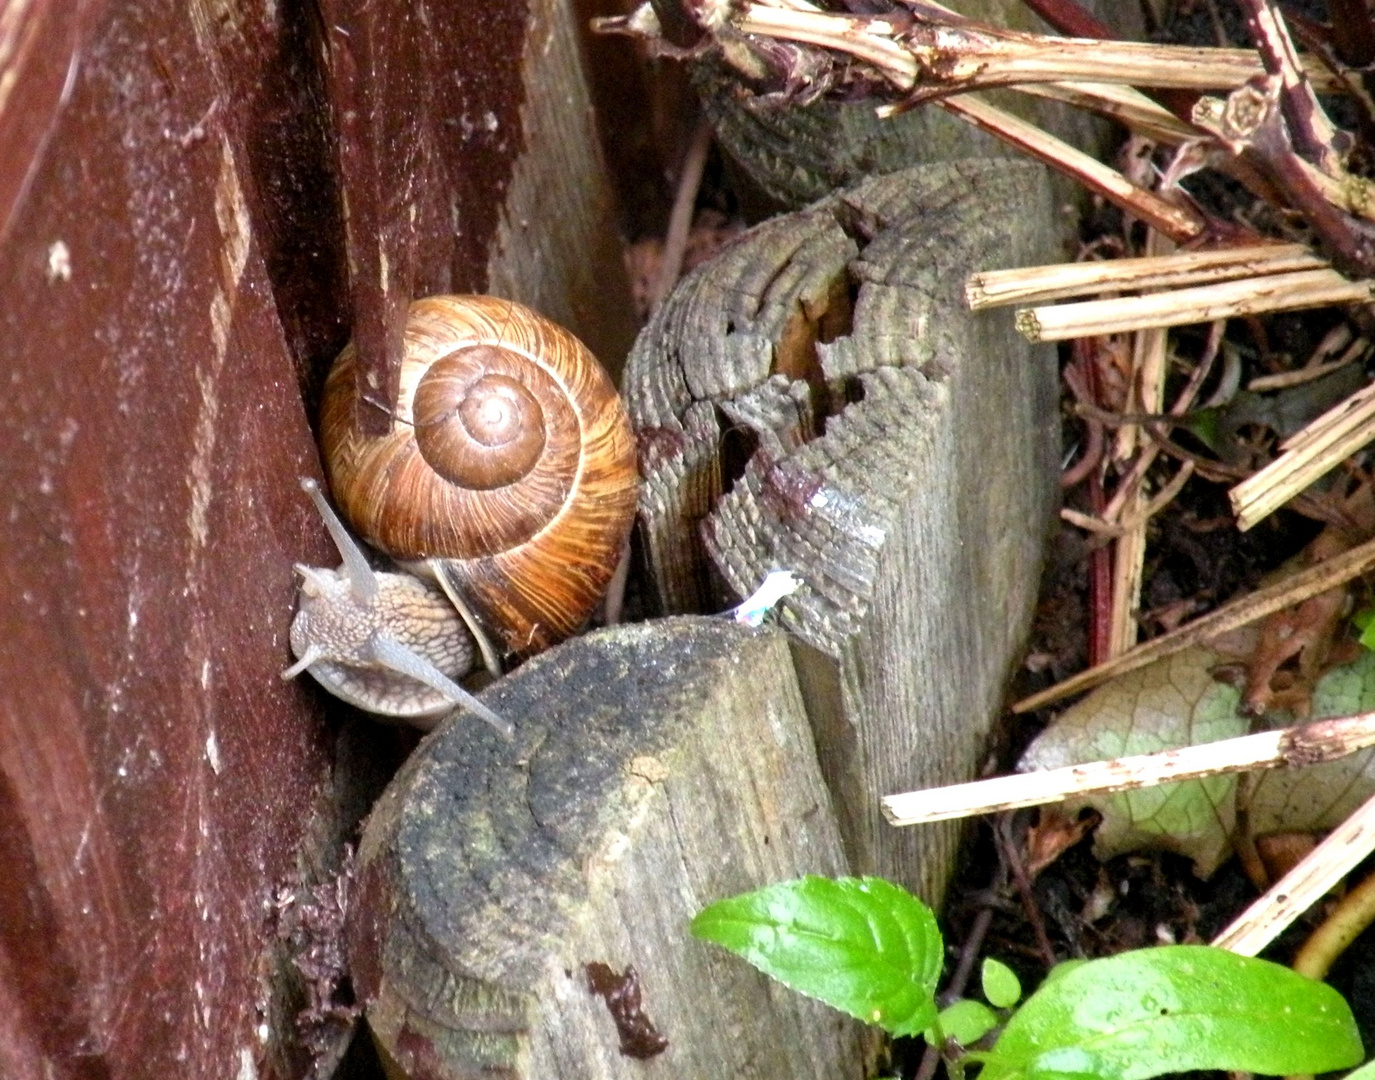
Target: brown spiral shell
x=510, y=457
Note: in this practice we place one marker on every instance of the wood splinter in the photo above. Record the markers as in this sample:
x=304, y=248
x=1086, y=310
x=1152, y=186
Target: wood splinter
x=1303, y=744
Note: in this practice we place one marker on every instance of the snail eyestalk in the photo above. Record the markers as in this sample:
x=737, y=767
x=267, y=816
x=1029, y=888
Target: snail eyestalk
x=356, y=566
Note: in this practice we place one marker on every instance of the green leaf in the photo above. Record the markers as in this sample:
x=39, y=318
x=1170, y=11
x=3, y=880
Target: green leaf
x=1175, y=1009
x=1000, y=983
x=1064, y=967
x=862, y=945
x=965, y=1021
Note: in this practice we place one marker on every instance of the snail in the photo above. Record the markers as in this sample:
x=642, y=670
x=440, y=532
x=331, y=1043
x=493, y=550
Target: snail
x=507, y=481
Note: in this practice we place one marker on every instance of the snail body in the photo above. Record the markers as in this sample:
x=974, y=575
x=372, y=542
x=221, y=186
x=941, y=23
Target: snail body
x=386, y=642
x=507, y=474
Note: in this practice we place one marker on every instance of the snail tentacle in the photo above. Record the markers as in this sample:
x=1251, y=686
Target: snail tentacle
x=356, y=567
x=392, y=654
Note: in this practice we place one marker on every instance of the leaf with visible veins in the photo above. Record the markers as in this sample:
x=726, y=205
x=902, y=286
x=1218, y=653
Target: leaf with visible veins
x=1172, y=703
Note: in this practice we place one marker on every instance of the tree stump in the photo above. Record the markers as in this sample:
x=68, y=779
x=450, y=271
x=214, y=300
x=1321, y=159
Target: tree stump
x=818, y=399
x=655, y=768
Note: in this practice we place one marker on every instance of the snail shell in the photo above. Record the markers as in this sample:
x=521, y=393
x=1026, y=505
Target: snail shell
x=509, y=465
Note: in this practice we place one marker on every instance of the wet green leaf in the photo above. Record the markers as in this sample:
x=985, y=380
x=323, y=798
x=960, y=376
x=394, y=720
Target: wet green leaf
x=1174, y=1009
x=1000, y=983
x=965, y=1021
x=862, y=945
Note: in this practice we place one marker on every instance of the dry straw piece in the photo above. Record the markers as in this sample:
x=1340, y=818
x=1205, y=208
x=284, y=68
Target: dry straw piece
x=1303, y=744
x=1240, y=612
x=1345, y=847
x=1036, y=284
x=1310, y=453
x=1206, y=303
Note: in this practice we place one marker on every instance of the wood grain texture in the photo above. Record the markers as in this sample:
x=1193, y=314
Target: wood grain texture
x=173, y=283
x=158, y=782
x=915, y=511
x=655, y=768
x=40, y=50
x=468, y=163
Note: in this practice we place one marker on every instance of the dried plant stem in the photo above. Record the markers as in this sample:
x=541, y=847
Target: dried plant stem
x=867, y=39
x=1285, y=379
x=1335, y=435
x=1342, y=926
x=1109, y=524
x=1178, y=223
x=929, y=53
x=1240, y=612
x=680, y=218
x=1129, y=552
x=1127, y=105
x=1345, y=847
x=1304, y=744
x=1148, y=454
x=1313, y=133
x=1354, y=194
x=1225, y=300
x=1035, y=284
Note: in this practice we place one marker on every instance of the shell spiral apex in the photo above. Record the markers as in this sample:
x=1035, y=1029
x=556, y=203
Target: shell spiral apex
x=509, y=462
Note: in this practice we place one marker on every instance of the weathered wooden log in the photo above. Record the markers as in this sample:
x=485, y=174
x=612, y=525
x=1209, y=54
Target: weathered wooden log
x=818, y=399
x=655, y=768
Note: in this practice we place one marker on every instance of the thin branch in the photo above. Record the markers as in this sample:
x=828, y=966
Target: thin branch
x=1250, y=123
x=680, y=218
x=1291, y=747
x=1314, y=135
x=1176, y=222
x=1243, y=611
x=1069, y=18
x=1129, y=551
x=1285, y=379
x=1343, y=925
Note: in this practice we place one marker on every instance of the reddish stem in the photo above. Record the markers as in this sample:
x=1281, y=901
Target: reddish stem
x=1068, y=18
x=1298, y=102
x=1100, y=558
x=1093, y=450
x=1100, y=585
x=1353, y=31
